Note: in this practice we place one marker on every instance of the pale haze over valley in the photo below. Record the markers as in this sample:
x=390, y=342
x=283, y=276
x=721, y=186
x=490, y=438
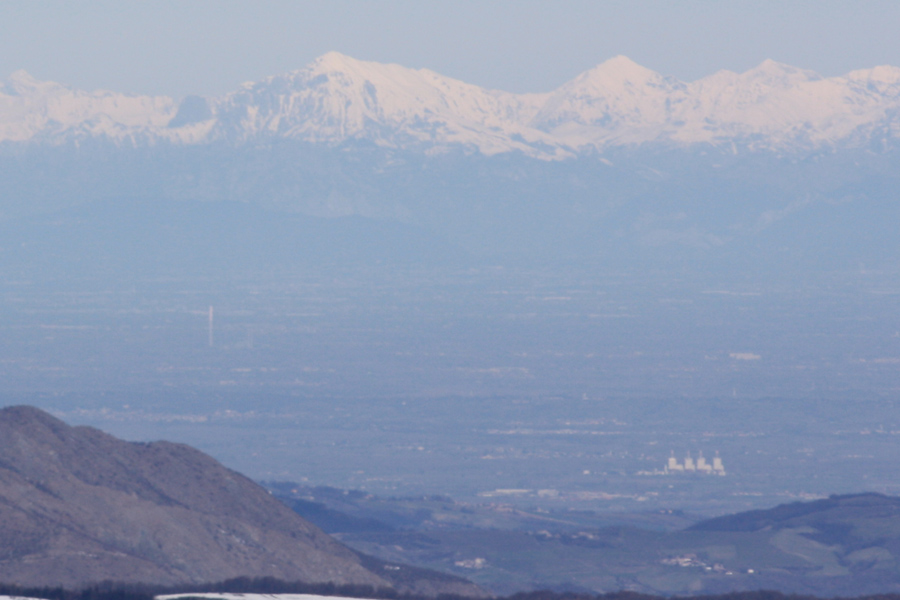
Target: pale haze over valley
x=525, y=254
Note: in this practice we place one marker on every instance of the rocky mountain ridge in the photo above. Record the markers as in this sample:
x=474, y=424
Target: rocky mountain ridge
x=336, y=99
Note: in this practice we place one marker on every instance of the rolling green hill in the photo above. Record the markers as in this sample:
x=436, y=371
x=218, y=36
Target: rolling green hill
x=843, y=545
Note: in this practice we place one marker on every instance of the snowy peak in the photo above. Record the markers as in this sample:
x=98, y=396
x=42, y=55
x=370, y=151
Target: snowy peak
x=770, y=106
x=617, y=73
x=878, y=80
x=599, y=104
x=48, y=111
x=337, y=98
x=335, y=62
x=776, y=74
x=21, y=82
x=780, y=106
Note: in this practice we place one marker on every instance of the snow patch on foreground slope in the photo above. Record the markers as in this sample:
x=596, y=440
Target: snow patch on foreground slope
x=229, y=596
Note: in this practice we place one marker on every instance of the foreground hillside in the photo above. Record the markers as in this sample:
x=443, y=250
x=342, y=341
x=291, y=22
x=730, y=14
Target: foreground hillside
x=80, y=506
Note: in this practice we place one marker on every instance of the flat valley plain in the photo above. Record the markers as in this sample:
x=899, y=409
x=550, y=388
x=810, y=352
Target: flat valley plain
x=556, y=388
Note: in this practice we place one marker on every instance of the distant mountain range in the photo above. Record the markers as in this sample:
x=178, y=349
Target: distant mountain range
x=616, y=104
x=776, y=170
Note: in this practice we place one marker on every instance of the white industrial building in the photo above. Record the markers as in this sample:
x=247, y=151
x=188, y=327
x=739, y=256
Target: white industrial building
x=700, y=466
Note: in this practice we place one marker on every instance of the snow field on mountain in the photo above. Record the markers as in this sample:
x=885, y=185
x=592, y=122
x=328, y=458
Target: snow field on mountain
x=619, y=103
x=230, y=596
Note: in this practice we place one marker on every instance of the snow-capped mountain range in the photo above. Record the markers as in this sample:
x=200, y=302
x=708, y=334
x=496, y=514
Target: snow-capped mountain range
x=337, y=99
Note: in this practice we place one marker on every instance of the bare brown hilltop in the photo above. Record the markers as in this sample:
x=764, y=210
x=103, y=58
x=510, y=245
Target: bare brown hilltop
x=79, y=506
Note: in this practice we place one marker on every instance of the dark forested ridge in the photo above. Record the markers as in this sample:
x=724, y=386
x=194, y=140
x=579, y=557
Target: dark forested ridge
x=825, y=513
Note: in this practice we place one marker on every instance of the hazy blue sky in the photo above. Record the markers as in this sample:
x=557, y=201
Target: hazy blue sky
x=205, y=47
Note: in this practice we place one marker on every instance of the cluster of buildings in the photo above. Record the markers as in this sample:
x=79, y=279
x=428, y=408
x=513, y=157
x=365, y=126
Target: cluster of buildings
x=700, y=466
